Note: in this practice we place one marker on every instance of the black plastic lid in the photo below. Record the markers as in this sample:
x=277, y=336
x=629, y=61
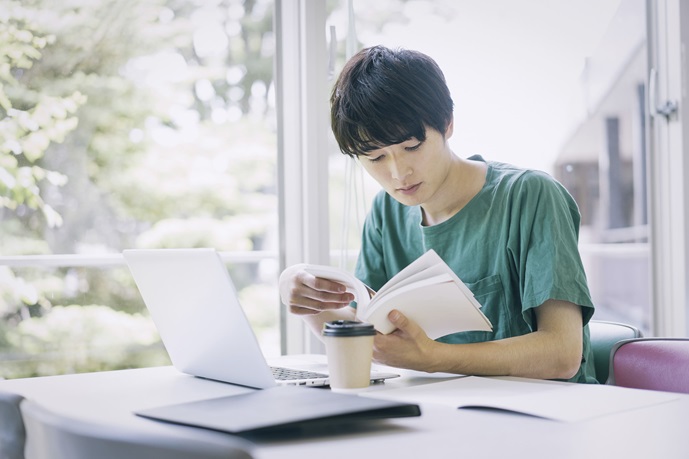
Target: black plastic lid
x=347, y=328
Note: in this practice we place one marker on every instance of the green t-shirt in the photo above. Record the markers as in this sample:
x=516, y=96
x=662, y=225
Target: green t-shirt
x=514, y=245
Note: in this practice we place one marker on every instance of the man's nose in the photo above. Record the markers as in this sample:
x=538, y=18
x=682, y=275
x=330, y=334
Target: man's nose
x=399, y=170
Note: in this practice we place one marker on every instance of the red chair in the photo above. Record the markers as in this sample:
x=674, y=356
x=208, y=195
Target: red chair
x=651, y=363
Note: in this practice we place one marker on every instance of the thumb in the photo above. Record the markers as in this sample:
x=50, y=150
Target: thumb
x=399, y=320
x=405, y=325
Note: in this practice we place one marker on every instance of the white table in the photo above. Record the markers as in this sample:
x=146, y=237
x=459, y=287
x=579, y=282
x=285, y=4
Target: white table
x=659, y=431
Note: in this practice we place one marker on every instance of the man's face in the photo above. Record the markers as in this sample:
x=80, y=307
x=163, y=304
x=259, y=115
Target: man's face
x=412, y=171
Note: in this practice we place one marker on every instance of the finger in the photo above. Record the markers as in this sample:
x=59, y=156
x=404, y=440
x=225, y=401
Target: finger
x=304, y=291
x=401, y=322
x=298, y=303
x=300, y=309
x=321, y=284
x=406, y=327
x=383, y=347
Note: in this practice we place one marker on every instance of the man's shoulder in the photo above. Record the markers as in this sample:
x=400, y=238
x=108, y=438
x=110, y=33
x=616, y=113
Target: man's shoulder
x=512, y=176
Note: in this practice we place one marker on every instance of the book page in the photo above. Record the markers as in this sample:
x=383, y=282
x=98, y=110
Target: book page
x=427, y=261
x=426, y=273
x=437, y=305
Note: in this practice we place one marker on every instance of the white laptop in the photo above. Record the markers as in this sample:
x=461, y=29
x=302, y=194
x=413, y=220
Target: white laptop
x=194, y=305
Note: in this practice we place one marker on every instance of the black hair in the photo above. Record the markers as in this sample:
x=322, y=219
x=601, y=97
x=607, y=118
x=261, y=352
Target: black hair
x=384, y=97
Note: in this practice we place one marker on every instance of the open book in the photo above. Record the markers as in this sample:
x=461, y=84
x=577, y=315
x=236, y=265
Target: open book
x=427, y=292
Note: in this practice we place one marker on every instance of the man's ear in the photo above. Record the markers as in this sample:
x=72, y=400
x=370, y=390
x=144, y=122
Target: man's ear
x=450, y=128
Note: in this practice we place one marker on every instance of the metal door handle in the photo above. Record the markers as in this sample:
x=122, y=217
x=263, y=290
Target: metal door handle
x=668, y=108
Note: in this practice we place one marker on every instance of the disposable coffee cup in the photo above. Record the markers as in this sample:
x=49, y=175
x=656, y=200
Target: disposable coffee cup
x=349, y=348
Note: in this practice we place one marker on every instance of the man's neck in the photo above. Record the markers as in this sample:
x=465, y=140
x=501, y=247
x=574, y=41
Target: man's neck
x=464, y=181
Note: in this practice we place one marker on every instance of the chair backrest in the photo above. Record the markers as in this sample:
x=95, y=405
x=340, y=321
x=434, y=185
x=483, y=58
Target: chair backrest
x=50, y=435
x=604, y=335
x=651, y=363
x=12, y=435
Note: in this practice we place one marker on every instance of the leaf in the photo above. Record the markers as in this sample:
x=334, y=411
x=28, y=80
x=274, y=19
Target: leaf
x=53, y=218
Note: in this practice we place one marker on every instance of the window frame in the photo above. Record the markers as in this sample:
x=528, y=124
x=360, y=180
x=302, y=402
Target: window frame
x=302, y=101
x=668, y=23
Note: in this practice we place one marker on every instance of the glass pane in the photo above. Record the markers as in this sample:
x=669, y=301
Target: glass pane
x=123, y=124
x=603, y=163
x=556, y=86
x=71, y=320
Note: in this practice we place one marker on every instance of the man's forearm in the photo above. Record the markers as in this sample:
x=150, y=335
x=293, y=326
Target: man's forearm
x=535, y=355
x=552, y=352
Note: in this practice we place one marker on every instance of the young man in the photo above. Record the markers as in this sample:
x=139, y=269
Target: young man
x=510, y=234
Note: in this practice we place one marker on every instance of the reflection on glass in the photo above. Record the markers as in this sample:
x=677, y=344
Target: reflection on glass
x=556, y=86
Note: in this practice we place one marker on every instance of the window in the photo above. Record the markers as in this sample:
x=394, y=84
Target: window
x=556, y=86
x=604, y=164
x=159, y=124
x=129, y=124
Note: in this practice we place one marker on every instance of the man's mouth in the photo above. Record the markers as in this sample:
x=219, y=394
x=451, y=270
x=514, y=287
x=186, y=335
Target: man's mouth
x=411, y=189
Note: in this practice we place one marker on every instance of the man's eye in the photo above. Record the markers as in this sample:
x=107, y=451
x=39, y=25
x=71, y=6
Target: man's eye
x=376, y=159
x=414, y=148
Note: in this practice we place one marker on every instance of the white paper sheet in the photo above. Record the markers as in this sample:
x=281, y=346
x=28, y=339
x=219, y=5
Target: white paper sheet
x=546, y=399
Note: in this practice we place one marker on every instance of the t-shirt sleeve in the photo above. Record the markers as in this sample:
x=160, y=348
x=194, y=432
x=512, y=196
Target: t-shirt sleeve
x=544, y=245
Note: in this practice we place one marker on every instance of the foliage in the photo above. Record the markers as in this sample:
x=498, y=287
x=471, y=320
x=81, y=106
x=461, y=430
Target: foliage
x=159, y=81
x=29, y=121
x=89, y=338
x=125, y=123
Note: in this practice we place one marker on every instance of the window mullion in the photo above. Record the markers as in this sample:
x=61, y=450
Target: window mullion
x=301, y=87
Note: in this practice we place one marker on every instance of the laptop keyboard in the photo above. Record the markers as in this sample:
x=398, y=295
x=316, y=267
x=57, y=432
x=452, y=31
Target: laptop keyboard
x=289, y=374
